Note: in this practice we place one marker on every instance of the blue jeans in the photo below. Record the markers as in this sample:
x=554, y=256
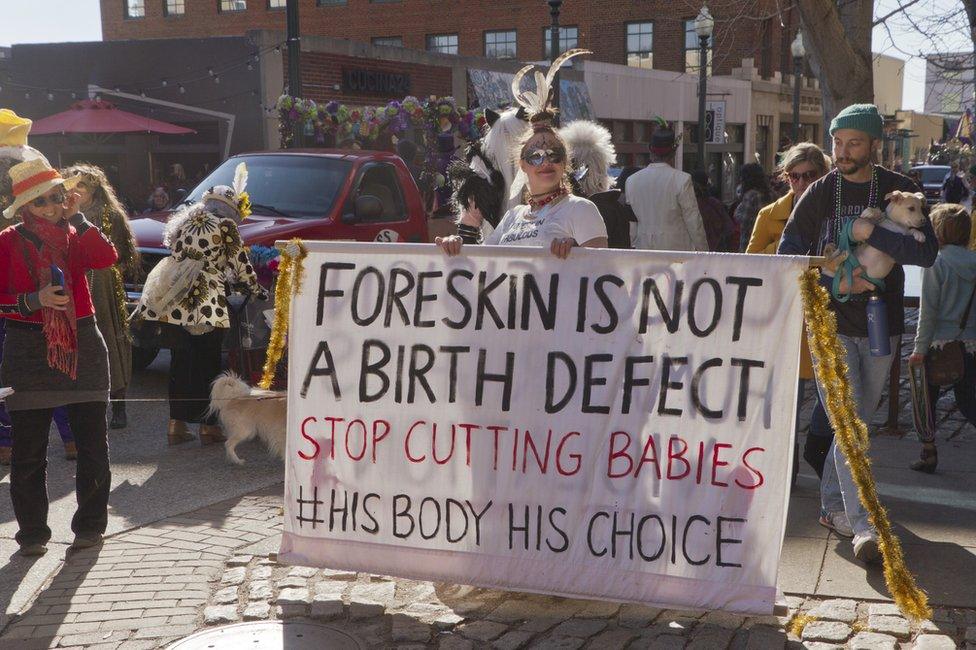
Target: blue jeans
x=867, y=376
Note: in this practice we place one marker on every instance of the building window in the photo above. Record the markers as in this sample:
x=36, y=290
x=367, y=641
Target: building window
x=442, y=43
x=228, y=6
x=568, y=39
x=640, y=50
x=388, y=41
x=174, y=7
x=692, y=51
x=330, y=3
x=135, y=8
x=277, y=4
x=501, y=44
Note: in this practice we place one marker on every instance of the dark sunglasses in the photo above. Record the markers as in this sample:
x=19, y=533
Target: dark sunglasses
x=809, y=176
x=538, y=156
x=54, y=199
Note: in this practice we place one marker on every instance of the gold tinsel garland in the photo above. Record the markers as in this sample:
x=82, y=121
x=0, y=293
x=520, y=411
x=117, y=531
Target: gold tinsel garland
x=118, y=283
x=851, y=435
x=290, y=276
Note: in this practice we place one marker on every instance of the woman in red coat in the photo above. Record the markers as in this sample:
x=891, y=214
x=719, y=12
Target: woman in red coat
x=53, y=354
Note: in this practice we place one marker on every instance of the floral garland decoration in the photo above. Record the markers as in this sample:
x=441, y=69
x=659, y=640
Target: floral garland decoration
x=852, y=438
x=371, y=123
x=118, y=282
x=244, y=205
x=290, y=276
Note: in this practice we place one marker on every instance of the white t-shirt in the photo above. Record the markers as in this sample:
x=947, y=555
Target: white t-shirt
x=573, y=216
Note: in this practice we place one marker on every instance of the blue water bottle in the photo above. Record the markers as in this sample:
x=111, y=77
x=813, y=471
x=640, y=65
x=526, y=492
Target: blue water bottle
x=878, y=340
x=57, y=278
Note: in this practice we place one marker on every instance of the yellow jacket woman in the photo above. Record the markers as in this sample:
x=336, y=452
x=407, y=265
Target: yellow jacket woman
x=769, y=226
x=765, y=238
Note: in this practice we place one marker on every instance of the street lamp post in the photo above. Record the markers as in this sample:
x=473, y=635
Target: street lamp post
x=294, y=64
x=704, y=23
x=798, y=51
x=554, y=7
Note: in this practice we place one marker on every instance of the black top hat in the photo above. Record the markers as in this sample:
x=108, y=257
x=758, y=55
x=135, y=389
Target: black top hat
x=662, y=141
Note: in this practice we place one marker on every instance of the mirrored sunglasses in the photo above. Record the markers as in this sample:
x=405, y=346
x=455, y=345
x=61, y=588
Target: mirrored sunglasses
x=538, y=156
x=809, y=176
x=56, y=198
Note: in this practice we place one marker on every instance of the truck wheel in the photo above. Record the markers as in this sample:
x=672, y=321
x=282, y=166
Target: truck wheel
x=142, y=357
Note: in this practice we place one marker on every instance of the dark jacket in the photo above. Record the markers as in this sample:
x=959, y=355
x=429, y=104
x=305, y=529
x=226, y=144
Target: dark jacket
x=617, y=216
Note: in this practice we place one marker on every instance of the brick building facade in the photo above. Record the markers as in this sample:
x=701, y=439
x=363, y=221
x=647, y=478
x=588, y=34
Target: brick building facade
x=649, y=32
x=322, y=78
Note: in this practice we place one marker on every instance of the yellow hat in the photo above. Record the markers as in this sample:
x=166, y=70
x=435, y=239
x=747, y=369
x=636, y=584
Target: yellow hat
x=32, y=179
x=13, y=129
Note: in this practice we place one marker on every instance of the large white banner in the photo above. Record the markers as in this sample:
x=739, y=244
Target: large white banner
x=616, y=425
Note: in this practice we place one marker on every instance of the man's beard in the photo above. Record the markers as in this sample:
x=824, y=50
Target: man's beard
x=848, y=166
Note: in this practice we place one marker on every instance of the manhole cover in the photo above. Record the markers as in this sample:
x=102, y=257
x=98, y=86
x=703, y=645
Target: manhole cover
x=270, y=635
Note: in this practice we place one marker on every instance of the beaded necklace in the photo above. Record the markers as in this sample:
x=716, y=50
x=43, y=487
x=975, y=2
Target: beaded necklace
x=872, y=199
x=537, y=204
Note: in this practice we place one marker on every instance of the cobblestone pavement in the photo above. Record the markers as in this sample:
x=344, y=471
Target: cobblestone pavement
x=153, y=585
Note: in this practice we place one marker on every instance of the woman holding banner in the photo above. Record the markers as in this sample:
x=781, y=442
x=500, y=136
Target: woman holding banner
x=550, y=215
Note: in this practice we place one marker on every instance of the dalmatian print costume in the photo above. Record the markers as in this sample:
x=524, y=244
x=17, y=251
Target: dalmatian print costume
x=203, y=234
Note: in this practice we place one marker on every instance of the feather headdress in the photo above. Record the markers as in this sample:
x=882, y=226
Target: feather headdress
x=239, y=186
x=537, y=103
x=240, y=178
x=592, y=151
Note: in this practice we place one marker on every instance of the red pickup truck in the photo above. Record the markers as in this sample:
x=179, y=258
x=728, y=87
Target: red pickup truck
x=314, y=194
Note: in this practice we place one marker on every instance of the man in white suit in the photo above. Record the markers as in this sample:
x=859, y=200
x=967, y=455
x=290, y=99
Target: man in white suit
x=663, y=199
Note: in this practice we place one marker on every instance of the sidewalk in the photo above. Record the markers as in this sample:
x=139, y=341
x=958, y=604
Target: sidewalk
x=158, y=583
x=190, y=537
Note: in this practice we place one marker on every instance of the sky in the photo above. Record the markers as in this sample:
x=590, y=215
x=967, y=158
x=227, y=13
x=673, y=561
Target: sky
x=48, y=21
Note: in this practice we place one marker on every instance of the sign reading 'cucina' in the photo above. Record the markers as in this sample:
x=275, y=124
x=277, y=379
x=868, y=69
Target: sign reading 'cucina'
x=375, y=82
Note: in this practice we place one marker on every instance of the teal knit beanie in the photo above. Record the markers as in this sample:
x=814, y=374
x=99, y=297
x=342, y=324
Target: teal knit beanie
x=860, y=117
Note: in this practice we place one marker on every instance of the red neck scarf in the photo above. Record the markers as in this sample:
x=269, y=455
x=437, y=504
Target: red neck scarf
x=60, y=327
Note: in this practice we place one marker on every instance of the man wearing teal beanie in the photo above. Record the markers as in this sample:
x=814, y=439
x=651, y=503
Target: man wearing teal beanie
x=818, y=218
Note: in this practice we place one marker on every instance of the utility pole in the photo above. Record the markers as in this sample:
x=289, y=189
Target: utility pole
x=294, y=65
x=554, y=7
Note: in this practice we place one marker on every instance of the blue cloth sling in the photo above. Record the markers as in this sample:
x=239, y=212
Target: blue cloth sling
x=846, y=270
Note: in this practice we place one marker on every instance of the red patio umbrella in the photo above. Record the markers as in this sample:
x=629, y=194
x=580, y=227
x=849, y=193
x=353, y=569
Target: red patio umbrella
x=99, y=116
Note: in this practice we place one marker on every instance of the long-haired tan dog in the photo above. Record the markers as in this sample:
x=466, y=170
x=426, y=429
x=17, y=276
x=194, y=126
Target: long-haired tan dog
x=246, y=412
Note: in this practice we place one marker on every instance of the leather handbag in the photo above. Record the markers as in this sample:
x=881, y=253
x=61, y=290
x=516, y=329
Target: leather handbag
x=946, y=365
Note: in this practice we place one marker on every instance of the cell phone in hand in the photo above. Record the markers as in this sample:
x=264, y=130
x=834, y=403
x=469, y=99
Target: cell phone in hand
x=57, y=278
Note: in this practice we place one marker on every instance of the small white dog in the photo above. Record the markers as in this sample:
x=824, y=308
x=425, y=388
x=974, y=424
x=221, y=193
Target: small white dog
x=246, y=412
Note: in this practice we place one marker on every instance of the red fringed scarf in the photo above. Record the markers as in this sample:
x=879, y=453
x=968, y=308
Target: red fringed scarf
x=60, y=327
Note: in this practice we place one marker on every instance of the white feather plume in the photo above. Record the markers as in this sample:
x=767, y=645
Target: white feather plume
x=240, y=179
x=591, y=146
x=538, y=101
